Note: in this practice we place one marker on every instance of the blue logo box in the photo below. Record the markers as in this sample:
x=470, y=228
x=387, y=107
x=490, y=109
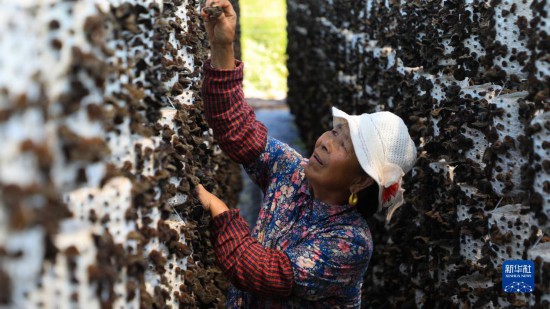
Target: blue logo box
x=518, y=276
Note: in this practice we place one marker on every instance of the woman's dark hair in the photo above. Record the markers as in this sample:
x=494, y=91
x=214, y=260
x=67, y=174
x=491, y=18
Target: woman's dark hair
x=367, y=201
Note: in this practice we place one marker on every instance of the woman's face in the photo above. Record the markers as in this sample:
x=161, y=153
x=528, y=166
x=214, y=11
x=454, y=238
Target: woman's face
x=333, y=165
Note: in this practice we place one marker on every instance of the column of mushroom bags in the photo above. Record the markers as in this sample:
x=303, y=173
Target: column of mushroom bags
x=103, y=141
x=471, y=81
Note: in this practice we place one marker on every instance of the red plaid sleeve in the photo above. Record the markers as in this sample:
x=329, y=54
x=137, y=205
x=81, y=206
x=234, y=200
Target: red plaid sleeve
x=233, y=121
x=249, y=266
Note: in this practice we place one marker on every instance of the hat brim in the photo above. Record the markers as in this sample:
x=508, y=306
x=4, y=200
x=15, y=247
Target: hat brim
x=359, y=142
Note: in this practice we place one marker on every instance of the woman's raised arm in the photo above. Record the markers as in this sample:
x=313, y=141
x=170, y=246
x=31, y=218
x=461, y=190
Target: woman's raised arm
x=233, y=121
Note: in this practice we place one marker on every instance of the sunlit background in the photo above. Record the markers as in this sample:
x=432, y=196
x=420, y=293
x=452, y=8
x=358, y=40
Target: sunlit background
x=264, y=40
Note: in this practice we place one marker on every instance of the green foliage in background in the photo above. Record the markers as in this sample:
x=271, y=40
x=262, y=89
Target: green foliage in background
x=264, y=40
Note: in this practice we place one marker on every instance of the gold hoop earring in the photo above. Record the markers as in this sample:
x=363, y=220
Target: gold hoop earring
x=353, y=199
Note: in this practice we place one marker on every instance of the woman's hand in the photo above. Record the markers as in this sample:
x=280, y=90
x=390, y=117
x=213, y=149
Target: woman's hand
x=221, y=33
x=210, y=202
x=220, y=29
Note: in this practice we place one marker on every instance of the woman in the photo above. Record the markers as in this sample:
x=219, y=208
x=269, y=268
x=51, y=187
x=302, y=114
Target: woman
x=311, y=246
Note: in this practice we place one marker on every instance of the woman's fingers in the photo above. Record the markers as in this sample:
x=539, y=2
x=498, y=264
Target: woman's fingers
x=222, y=3
x=204, y=196
x=204, y=15
x=226, y=9
x=210, y=202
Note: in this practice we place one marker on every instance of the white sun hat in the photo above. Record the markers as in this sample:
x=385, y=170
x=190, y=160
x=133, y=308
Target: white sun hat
x=385, y=151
